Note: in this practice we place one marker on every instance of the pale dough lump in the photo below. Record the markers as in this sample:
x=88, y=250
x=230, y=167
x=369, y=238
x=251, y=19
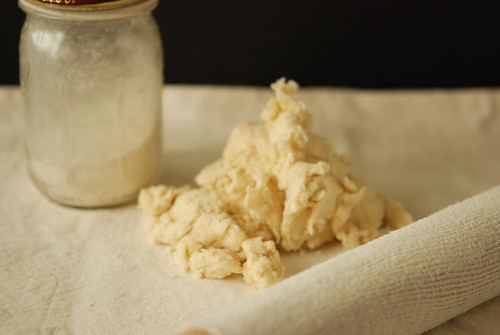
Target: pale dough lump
x=277, y=185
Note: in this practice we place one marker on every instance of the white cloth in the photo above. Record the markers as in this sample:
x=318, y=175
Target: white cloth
x=65, y=270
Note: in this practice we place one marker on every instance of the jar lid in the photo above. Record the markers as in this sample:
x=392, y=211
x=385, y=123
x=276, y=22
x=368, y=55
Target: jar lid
x=85, y=5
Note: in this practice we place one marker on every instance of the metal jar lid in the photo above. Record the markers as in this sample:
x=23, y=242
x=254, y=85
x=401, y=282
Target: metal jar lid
x=80, y=5
x=76, y=8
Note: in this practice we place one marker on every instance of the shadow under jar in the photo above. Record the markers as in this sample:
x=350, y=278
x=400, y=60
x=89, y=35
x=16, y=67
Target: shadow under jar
x=91, y=75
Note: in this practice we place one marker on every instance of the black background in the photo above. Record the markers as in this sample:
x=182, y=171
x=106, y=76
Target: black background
x=366, y=44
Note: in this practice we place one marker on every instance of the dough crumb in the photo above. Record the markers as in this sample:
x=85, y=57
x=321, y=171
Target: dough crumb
x=277, y=185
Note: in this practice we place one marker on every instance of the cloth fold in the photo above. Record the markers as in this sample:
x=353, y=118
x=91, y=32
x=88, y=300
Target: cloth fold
x=405, y=282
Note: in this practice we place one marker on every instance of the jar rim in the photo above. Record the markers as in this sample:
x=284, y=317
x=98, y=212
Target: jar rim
x=86, y=9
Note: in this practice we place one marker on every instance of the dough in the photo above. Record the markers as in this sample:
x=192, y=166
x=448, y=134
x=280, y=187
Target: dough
x=277, y=185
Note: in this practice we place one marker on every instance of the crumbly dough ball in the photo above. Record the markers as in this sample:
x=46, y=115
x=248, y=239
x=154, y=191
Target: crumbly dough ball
x=284, y=176
x=207, y=240
x=277, y=184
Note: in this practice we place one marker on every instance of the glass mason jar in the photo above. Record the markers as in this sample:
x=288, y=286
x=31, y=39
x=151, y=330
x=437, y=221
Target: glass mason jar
x=91, y=75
